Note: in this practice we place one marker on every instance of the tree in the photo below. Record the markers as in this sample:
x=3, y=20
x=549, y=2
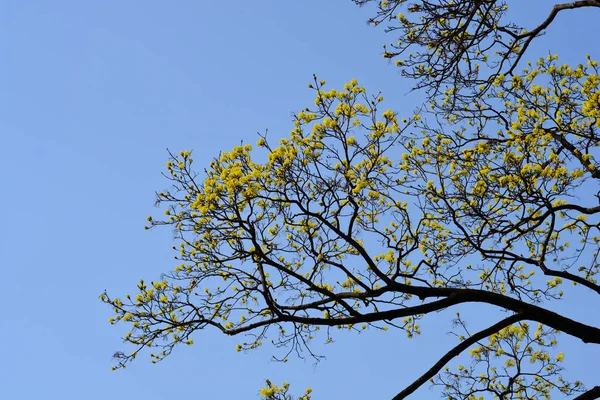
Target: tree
x=363, y=218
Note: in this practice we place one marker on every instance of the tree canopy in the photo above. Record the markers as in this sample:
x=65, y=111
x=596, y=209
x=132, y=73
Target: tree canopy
x=366, y=219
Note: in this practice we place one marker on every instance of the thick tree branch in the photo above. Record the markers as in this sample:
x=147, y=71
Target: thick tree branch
x=593, y=393
x=465, y=344
x=586, y=333
x=555, y=10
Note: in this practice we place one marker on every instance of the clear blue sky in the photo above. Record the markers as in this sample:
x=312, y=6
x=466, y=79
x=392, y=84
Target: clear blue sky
x=91, y=95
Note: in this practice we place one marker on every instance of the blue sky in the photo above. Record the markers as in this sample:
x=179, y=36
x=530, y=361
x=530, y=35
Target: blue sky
x=91, y=95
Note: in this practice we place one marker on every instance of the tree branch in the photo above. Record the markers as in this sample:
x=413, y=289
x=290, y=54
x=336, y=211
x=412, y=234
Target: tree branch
x=465, y=344
x=593, y=393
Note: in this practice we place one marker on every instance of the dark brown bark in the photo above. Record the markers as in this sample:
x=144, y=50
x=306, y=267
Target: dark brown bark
x=456, y=351
x=593, y=393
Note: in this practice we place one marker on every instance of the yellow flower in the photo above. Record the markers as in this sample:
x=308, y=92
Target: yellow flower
x=267, y=392
x=388, y=114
